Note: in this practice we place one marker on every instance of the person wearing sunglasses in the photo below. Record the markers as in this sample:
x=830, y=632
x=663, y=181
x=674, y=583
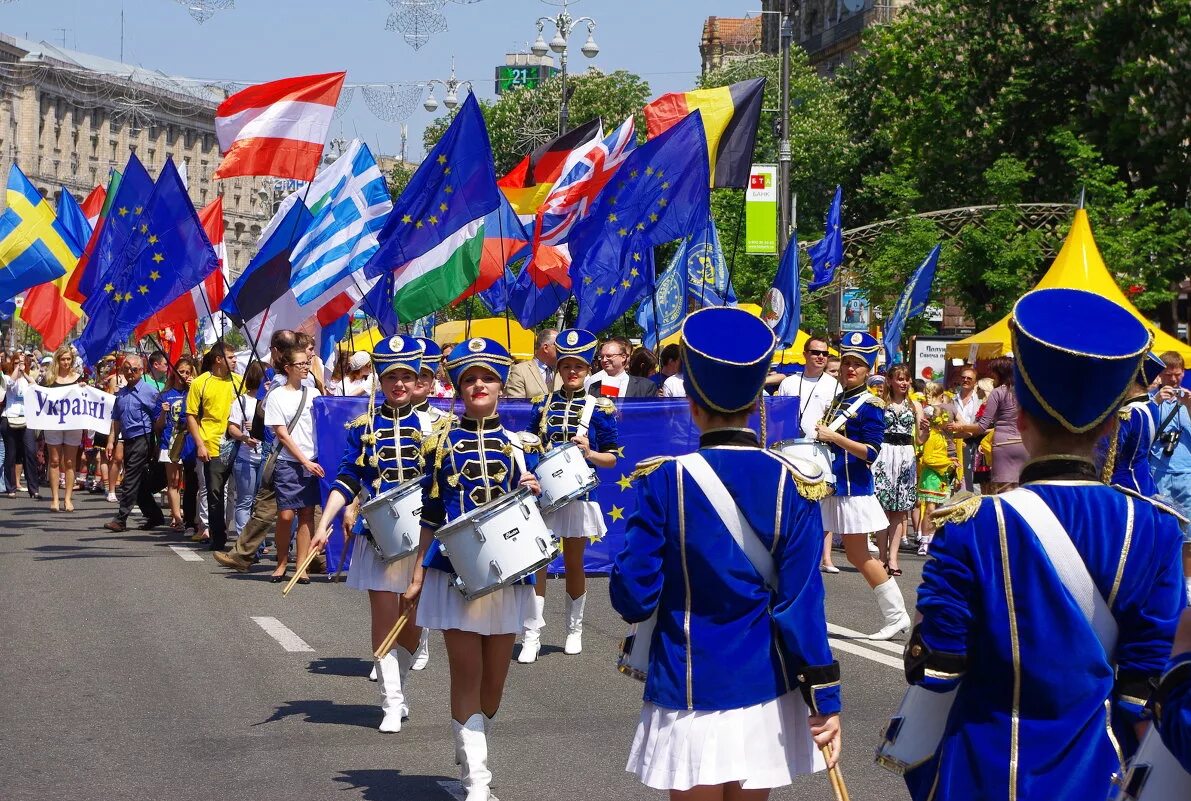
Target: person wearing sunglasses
x=614, y=380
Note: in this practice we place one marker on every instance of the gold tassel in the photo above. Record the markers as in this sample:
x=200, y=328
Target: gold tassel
x=959, y=512
x=1110, y=461
x=812, y=490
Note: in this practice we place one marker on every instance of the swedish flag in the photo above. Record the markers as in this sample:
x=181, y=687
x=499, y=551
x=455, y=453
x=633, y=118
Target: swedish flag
x=34, y=247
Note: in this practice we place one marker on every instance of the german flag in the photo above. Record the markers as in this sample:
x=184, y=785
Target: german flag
x=527, y=184
x=730, y=116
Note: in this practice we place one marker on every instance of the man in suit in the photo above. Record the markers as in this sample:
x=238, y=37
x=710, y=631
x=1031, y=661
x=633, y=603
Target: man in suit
x=537, y=376
x=613, y=381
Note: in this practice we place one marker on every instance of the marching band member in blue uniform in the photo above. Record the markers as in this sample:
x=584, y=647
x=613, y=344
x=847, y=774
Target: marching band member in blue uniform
x=384, y=450
x=471, y=464
x=1050, y=693
x=1128, y=465
x=741, y=684
x=431, y=417
x=1172, y=699
x=555, y=418
x=854, y=511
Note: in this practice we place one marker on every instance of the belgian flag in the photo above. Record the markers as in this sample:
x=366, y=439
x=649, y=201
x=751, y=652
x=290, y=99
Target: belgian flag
x=527, y=185
x=730, y=116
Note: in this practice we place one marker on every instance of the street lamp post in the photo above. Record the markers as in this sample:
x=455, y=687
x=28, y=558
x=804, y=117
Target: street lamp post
x=564, y=24
x=451, y=87
x=784, y=155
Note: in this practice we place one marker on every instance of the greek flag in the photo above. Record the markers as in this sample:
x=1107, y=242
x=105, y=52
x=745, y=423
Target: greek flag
x=347, y=221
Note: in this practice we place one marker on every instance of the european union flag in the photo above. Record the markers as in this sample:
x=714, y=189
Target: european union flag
x=34, y=246
x=827, y=254
x=496, y=297
x=541, y=287
x=912, y=302
x=73, y=221
x=707, y=272
x=377, y=305
x=124, y=213
x=669, y=299
x=659, y=194
x=781, y=309
x=169, y=254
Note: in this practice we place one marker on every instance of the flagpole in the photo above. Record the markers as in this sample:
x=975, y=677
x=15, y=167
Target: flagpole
x=732, y=261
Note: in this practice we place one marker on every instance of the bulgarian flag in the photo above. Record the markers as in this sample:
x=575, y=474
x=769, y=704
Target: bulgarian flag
x=730, y=115
x=433, y=239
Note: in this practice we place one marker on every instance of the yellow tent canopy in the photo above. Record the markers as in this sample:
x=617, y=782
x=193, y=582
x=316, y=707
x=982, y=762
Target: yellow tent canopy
x=790, y=355
x=454, y=331
x=1079, y=265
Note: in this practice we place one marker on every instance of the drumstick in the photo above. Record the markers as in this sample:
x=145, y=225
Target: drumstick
x=835, y=776
x=391, y=638
x=301, y=571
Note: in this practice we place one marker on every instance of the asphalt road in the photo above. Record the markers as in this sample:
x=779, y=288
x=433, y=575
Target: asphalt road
x=133, y=667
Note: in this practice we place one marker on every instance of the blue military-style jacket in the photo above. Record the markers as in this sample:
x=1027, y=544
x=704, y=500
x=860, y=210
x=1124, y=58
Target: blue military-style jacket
x=723, y=640
x=385, y=448
x=554, y=418
x=853, y=475
x=1174, y=712
x=1041, y=710
x=1136, y=427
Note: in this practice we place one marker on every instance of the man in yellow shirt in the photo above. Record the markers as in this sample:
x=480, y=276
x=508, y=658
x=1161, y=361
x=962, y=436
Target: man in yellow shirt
x=208, y=407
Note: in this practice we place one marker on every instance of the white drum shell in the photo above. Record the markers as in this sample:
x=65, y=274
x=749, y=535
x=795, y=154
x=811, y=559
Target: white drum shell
x=916, y=729
x=395, y=520
x=1154, y=774
x=564, y=475
x=497, y=544
x=635, y=647
x=818, y=453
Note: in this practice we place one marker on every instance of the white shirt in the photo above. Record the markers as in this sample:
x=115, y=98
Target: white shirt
x=674, y=387
x=14, y=396
x=243, y=408
x=814, y=394
x=620, y=383
x=281, y=408
x=966, y=410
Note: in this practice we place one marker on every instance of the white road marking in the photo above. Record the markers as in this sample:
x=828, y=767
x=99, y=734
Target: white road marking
x=891, y=647
x=876, y=656
x=454, y=789
x=187, y=554
x=282, y=633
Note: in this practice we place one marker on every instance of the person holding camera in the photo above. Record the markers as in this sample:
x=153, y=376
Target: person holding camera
x=1170, y=458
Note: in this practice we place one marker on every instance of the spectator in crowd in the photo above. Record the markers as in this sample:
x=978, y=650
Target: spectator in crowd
x=249, y=459
x=315, y=377
x=538, y=375
x=359, y=374
x=62, y=446
x=675, y=384
x=290, y=413
x=614, y=381
x=1171, y=454
x=671, y=363
x=1000, y=417
x=170, y=402
x=939, y=464
x=895, y=471
x=967, y=408
x=20, y=442
x=644, y=364
x=114, y=381
x=832, y=368
x=208, y=408
x=158, y=372
x=133, y=413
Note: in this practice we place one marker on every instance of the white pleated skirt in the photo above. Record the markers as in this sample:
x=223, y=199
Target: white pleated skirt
x=852, y=514
x=369, y=572
x=577, y=519
x=760, y=746
x=442, y=607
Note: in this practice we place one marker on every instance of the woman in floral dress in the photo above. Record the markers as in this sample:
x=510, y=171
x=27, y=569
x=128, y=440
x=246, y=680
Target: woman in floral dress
x=895, y=472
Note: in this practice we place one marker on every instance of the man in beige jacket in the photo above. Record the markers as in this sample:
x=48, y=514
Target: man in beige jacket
x=536, y=376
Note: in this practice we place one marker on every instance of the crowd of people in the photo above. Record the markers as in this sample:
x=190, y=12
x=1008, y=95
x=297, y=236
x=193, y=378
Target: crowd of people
x=878, y=461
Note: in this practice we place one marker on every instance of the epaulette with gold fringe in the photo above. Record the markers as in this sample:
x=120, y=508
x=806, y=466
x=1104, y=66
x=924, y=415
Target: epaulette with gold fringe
x=877, y=401
x=809, y=486
x=530, y=443
x=1124, y=414
x=536, y=399
x=605, y=405
x=647, y=466
x=959, y=512
x=1156, y=503
x=359, y=421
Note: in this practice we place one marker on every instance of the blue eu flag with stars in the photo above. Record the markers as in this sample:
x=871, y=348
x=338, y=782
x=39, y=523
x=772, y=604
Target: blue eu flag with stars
x=912, y=302
x=168, y=253
x=827, y=254
x=659, y=194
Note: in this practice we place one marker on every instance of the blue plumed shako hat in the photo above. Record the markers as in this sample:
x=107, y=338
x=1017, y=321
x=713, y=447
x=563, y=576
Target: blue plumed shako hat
x=484, y=352
x=397, y=351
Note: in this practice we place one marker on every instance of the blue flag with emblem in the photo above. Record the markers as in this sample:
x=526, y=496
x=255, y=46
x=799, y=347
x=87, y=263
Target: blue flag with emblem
x=827, y=254
x=781, y=308
x=123, y=216
x=707, y=272
x=659, y=194
x=168, y=254
x=669, y=297
x=34, y=245
x=911, y=304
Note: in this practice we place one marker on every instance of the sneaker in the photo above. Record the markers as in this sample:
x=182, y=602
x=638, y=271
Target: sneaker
x=231, y=561
x=112, y=498
x=872, y=546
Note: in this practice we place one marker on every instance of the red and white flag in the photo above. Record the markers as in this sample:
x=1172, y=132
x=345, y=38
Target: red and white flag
x=208, y=294
x=277, y=128
x=93, y=206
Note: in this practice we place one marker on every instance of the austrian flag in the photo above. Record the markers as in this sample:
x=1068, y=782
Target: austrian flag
x=277, y=128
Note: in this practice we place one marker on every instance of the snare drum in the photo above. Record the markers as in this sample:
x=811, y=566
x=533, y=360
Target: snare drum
x=916, y=729
x=564, y=475
x=395, y=520
x=1154, y=774
x=818, y=453
x=634, y=649
x=497, y=544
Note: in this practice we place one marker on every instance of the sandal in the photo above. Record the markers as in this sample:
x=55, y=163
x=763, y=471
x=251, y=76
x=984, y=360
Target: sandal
x=894, y=572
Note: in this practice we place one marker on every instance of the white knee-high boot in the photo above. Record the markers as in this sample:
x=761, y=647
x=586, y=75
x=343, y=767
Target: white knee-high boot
x=391, y=672
x=893, y=607
x=574, y=643
x=422, y=655
x=471, y=744
x=531, y=638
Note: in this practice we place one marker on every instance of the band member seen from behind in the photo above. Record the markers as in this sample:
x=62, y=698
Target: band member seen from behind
x=854, y=427
x=721, y=553
x=570, y=415
x=384, y=451
x=472, y=464
x=1048, y=705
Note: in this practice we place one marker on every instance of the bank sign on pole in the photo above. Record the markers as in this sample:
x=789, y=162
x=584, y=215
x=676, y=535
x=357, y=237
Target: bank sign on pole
x=760, y=211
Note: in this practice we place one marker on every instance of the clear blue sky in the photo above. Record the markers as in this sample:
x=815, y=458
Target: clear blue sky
x=258, y=40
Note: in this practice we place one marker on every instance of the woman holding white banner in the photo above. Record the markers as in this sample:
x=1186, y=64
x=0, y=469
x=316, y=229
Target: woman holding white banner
x=62, y=446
